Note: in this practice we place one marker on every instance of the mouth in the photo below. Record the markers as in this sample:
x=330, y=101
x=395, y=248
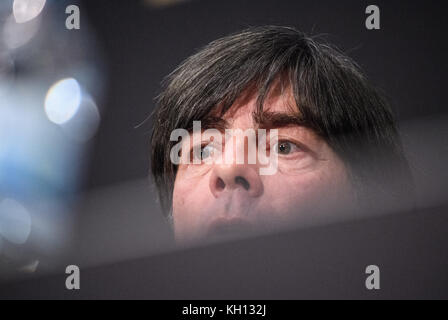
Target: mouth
x=224, y=227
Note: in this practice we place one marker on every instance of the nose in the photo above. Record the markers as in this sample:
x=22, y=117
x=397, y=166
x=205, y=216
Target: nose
x=225, y=178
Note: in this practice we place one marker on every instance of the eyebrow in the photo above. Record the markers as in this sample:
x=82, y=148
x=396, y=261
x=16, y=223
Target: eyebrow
x=263, y=120
x=211, y=122
x=271, y=120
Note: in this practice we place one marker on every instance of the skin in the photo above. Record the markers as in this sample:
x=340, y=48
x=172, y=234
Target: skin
x=227, y=199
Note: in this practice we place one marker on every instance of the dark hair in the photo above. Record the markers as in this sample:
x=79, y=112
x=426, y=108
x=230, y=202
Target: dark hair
x=333, y=97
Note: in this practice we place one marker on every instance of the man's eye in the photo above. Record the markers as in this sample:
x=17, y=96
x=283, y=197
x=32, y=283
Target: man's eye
x=203, y=153
x=286, y=147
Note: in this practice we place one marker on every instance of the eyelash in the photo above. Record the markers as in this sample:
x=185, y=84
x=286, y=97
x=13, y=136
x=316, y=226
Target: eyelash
x=299, y=148
x=203, y=145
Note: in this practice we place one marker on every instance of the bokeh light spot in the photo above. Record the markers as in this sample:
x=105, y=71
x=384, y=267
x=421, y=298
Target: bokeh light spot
x=26, y=10
x=63, y=100
x=15, y=221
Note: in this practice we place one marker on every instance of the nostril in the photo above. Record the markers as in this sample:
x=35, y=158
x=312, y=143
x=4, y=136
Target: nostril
x=220, y=184
x=242, y=181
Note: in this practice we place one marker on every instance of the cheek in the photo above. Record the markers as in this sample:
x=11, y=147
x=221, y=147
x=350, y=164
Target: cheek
x=288, y=194
x=308, y=195
x=189, y=197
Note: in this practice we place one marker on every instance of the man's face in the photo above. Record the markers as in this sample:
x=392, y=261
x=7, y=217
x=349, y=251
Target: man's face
x=226, y=199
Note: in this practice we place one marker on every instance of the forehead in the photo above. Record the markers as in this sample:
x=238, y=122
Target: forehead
x=280, y=99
